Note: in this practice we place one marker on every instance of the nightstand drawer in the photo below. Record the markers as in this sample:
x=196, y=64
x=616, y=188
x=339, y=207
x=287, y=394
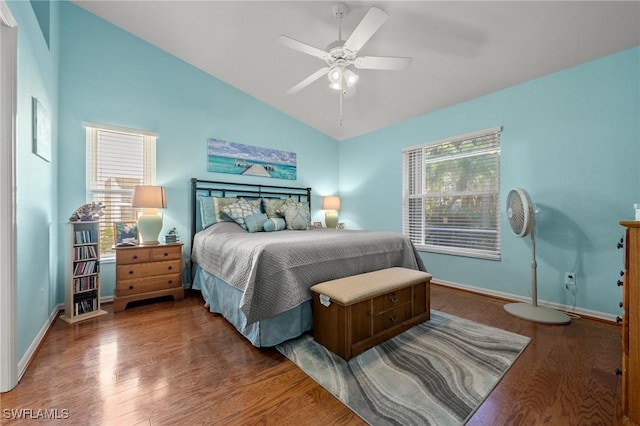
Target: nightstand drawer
x=134, y=270
x=143, y=285
x=132, y=255
x=165, y=253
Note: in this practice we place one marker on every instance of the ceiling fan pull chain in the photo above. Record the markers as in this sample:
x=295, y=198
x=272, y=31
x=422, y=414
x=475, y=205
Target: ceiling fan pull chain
x=341, y=92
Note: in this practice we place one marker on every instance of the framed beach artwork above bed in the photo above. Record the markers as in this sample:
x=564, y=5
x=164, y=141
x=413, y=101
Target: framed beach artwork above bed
x=240, y=159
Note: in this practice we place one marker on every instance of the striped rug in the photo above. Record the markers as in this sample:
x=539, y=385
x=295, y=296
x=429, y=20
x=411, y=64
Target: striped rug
x=436, y=373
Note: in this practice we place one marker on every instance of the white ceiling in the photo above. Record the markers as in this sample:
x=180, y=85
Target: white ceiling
x=461, y=50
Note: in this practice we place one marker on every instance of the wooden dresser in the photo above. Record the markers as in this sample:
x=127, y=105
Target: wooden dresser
x=631, y=325
x=145, y=272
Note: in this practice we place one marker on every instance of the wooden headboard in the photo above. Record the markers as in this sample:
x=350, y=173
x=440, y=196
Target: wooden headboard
x=231, y=189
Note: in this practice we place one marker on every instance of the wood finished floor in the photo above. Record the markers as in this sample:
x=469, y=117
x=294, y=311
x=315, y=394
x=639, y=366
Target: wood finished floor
x=171, y=363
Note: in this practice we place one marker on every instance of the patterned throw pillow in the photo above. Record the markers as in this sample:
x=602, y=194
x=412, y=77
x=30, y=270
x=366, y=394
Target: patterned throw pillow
x=274, y=224
x=255, y=222
x=239, y=210
x=272, y=206
x=211, y=209
x=296, y=216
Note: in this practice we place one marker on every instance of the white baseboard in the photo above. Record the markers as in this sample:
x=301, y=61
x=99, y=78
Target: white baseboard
x=516, y=298
x=31, y=351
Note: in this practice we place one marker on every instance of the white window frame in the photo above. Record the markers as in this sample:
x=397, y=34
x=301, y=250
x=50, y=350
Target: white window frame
x=93, y=132
x=414, y=199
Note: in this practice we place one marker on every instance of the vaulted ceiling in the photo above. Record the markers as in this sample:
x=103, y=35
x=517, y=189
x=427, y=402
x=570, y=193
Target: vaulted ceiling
x=460, y=50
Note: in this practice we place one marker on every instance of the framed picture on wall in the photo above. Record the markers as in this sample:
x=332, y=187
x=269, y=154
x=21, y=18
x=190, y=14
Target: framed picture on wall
x=125, y=233
x=41, y=131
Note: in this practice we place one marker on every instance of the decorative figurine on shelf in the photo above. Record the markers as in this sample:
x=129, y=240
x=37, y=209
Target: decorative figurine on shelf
x=88, y=212
x=172, y=236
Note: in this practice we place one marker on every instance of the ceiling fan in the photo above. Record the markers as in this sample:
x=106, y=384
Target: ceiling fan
x=340, y=55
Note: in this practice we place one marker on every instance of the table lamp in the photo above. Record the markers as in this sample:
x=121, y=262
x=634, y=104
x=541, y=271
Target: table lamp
x=149, y=198
x=331, y=204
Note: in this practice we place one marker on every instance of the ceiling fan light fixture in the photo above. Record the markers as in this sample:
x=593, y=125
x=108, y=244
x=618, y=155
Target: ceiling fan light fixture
x=335, y=75
x=350, y=77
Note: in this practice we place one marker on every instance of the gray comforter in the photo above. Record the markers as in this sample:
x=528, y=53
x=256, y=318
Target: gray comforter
x=275, y=270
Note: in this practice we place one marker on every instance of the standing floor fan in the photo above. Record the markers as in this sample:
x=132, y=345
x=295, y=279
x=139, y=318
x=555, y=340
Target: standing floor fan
x=522, y=219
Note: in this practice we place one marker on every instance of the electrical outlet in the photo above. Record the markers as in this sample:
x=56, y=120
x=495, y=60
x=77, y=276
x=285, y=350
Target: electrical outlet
x=569, y=279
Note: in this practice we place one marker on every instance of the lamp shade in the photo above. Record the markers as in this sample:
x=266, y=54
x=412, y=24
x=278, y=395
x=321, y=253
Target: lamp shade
x=149, y=197
x=331, y=203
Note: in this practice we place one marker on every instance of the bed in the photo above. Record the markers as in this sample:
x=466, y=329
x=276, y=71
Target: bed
x=259, y=281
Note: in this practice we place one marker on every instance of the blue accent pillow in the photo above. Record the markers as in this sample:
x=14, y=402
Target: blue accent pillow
x=207, y=213
x=254, y=222
x=273, y=224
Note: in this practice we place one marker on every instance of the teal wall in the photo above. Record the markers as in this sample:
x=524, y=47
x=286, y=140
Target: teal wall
x=37, y=189
x=571, y=139
x=110, y=76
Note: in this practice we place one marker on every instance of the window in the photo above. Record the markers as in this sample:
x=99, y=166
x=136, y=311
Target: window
x=117, y=160
x=451, y=195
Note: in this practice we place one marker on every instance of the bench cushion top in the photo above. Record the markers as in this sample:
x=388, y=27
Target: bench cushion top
x=353, y=289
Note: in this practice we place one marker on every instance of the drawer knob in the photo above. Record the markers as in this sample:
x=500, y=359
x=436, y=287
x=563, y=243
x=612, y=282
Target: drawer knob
x=135, y=256
x=618, y=372
x=130, y=272
x=130, y=287
x=618, y=319
x=170, y=267
x=619, y=283
x=166, y=254
x=171, y=282
x=393, y=298
x=393, y=318
x=622, y=273
x=620, y=243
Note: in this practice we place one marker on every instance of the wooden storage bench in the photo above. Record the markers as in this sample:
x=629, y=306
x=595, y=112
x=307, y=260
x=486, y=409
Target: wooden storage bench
x=367, y=309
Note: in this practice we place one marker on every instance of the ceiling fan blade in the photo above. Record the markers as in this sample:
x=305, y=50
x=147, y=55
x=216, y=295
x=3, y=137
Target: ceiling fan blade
x=301, y=47
x=371, y=22
x=307, y=81
x=382, y=63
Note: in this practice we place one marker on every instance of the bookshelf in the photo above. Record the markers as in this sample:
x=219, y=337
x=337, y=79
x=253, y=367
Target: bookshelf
x=82, y=295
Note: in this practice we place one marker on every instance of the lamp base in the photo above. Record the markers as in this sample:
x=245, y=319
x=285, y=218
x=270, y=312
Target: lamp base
x=149, y=227
x=331, y=218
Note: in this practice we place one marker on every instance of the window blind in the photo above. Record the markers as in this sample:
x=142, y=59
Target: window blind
x=117, y=161
x=451, y=195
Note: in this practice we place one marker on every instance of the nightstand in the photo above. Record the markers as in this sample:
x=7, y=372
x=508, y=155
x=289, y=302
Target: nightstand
x=145, y=272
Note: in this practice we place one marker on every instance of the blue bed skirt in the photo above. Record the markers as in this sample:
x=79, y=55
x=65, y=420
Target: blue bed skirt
x=221, y=298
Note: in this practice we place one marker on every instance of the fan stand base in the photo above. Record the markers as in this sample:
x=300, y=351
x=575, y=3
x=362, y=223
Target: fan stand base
x=537, y=313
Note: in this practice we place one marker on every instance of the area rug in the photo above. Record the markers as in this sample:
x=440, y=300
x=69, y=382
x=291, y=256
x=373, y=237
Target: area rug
x=436, y=373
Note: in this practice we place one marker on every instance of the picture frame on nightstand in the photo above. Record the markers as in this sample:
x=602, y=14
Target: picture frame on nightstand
x=125, y=233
